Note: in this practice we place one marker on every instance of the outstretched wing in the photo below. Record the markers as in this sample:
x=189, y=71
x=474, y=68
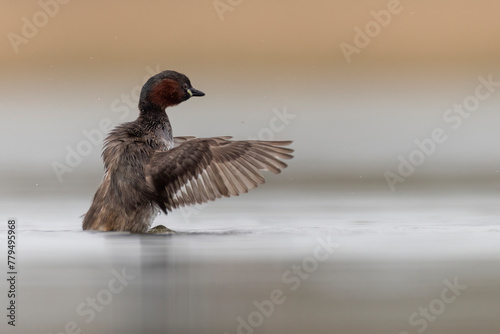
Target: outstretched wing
x=180, y=140
x=203, y=169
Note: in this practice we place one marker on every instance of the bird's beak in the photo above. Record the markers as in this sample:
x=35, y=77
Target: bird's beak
x=195, y=92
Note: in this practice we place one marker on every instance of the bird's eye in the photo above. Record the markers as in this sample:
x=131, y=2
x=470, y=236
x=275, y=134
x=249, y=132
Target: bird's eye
x=185, y=86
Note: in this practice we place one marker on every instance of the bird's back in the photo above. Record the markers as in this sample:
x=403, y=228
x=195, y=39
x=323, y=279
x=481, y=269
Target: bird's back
x=122, y=201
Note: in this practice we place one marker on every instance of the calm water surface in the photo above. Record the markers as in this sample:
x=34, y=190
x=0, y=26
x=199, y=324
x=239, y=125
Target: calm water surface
x=270, y=262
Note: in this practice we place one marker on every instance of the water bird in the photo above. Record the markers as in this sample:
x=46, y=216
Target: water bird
x=146, y=169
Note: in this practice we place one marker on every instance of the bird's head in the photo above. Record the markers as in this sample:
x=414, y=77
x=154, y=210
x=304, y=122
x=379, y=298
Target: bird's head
x=166, y=89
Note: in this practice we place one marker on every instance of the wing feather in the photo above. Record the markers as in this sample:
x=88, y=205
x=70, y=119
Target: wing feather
x=198, y=170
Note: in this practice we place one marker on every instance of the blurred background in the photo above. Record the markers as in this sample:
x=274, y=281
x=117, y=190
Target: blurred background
x=355, y=103
x=393, y=110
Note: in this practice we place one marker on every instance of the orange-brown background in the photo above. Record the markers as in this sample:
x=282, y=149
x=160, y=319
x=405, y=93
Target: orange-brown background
x=255, y=32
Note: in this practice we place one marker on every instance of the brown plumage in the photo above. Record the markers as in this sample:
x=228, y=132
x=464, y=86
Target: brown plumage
x=147, y=170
